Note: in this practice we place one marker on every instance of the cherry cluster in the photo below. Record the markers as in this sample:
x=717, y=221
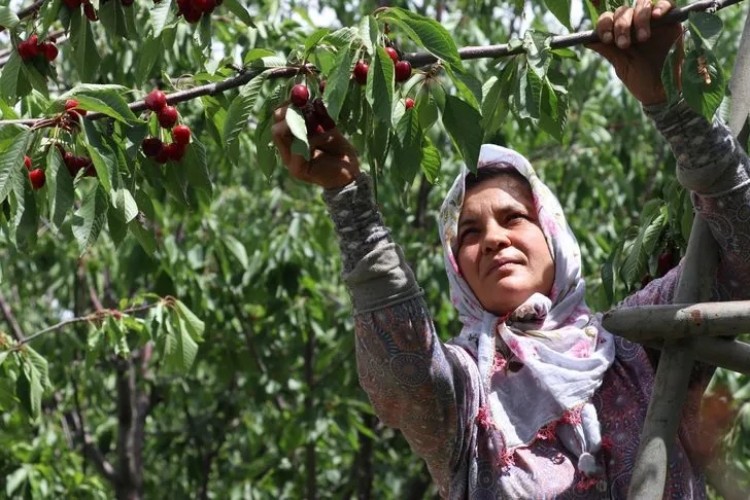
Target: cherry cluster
x=317, y=119
x=36, y=175
x=402, y=68
x=153, y=147
x=31, y=48
x=193, y=10
x=76, y=164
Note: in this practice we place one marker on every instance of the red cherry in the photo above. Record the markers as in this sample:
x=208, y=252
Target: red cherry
x=27, y=162
x=175, y=151
x=163, y=155
x=126, y=3
x=192, y=14
x=50, y=51
x=392, y=54
x=300, y=95
x=181, y=134
x=167, y=116
x=151, y=146
x=72, y=4
x=24, y=51
x=409, y=103
x=360, y=72
x=665, y=262
x=156, y=100
x=403, y=71
x=183, y=5
x=205, y=5
x=37, y=178
x=89, y=11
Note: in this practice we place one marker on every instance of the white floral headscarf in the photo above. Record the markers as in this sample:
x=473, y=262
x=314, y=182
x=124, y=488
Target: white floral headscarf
x=561, y=348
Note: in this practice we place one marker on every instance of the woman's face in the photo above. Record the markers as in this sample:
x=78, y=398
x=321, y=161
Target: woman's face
x=502, y=252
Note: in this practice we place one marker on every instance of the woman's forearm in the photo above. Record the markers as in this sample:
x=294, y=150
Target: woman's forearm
x=713, y=165
x=375, y=270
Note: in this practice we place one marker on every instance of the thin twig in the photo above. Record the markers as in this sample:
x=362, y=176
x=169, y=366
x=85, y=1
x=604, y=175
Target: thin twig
x=15, y=328
x=99, y=315
x=415, y=58
x=27, y=11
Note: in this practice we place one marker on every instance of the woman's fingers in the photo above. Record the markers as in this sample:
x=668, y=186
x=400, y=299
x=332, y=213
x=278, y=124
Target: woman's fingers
x=604, y=27
x=642, y=20
x=623, y=26
x=661, y=7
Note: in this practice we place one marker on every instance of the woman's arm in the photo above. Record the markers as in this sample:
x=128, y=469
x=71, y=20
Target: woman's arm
x=714, y=167
x=415, y=383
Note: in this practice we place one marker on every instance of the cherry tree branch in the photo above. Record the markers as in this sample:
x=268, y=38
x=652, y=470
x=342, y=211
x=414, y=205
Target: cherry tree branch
x=96, y=316
x=415, y=58
x=679, y=14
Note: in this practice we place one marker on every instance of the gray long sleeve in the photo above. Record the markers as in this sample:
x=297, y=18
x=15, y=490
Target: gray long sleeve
x=714, y=167
x=375, y=269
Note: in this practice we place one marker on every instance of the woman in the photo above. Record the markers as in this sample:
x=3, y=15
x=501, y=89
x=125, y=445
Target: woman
x=534, y=399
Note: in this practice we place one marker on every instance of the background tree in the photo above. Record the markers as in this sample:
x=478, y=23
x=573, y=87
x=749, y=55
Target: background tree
x=174, y=321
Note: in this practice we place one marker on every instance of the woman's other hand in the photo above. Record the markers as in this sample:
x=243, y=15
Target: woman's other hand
x=635, y=49
x=333, y=161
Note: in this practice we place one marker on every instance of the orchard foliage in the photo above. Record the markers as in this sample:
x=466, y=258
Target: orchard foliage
x=173, y=321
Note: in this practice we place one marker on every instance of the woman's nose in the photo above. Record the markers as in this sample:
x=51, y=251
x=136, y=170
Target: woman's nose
x=495, y=237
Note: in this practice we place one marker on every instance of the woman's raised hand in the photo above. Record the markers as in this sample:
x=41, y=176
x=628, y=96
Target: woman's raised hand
x=635, y=49
x=333, y=161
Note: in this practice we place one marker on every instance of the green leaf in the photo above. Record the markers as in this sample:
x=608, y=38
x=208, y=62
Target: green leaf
x=11, y=163
x=24, y=215
x=430, y=164
x=112, y=16
x=147, y=54
x=337, y=84
x=195, y=163
x=344, y=36
x=380, y=82
x=241, y=108
x=257, y=53
x=312, y=41
x=90, y=218
x=426, y=108
x=296, y=123
x=60, y=188
x=195, y=326
x=179, y=347
x=144, y=236
x=107, y=102
x=8, y=18
x=426, y=32
x=265, y=153
x=237, y=249
x=240, y=11
x=463, y=125
x=469, y=88
x=125, y=204
x=9, y=76
x=159, y=15
x=497, y=93
x=32, y=381
x=407, y=150
x=703, y=82
x=104, y=161
x=85, y=56
x=669, y=76
x=706, y=28
x=561, y=10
